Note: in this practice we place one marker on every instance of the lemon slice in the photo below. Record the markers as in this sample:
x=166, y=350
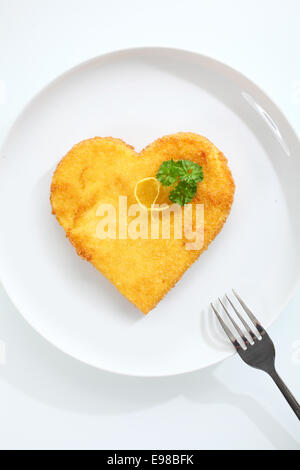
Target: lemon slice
x=146, y=192
x=163, y=195
x=149, y=191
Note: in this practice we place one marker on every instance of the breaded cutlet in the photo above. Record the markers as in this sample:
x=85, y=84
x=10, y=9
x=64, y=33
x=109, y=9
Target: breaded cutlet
x=99, y=170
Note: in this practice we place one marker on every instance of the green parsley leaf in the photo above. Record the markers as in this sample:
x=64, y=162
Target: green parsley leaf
x=190, y=172
x=168, y=173
x=183, y=193
x=184, y=176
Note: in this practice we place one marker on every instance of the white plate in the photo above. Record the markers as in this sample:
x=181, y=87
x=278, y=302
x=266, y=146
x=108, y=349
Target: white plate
x=140, y=95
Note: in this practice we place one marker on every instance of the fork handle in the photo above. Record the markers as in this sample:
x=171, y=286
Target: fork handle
x=286, y=393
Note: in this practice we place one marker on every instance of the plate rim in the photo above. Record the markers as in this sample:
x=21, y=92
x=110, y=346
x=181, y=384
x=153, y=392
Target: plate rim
x=71, y=70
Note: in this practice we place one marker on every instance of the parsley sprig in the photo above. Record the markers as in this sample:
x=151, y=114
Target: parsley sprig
x=184, y=176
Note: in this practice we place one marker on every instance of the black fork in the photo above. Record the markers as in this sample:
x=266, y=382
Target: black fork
x=255, y=348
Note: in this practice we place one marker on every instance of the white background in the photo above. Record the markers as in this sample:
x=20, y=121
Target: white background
x=48, y=400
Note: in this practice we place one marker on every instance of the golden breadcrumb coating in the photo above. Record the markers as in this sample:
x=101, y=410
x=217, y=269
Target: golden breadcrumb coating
x=100, y=169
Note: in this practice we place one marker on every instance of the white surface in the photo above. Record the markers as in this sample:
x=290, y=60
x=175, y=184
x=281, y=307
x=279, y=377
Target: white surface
x=139, y=95
x=77, y=406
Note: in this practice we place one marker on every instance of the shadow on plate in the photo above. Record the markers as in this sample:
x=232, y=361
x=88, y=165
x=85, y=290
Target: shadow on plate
x=45, y=374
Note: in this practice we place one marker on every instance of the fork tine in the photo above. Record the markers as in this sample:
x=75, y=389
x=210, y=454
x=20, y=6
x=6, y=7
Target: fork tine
x=236, y=326
x=254, y=320
x=253, y=336
x=228, y=332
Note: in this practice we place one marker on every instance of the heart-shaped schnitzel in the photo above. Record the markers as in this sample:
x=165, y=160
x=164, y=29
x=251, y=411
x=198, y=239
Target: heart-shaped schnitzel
x=98, y=171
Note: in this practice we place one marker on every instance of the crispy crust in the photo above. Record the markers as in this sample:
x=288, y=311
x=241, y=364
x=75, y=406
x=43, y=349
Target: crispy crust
x=143, y=270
